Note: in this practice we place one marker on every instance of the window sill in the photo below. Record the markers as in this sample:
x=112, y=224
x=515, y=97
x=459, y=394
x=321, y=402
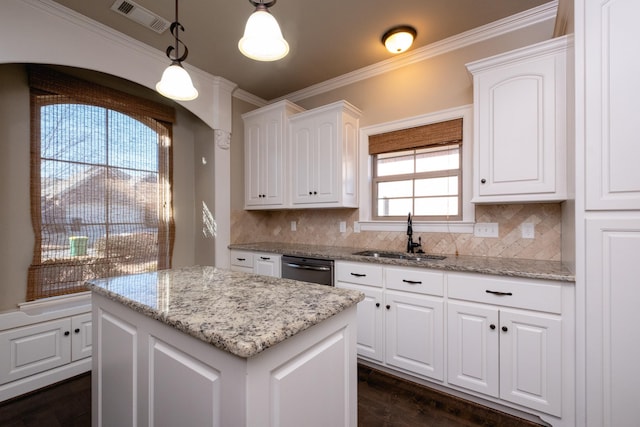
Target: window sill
x=418, y=227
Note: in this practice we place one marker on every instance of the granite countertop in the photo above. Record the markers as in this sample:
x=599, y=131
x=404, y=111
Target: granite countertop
x=514, y=267
x=241, y=313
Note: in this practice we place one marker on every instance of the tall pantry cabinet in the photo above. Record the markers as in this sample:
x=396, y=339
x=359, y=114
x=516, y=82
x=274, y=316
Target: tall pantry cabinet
x=608, y=210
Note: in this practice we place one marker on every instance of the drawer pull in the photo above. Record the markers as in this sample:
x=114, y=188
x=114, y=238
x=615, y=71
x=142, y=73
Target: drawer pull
x=411, y=282
x=358, y=275
x=266, y=258
x=498, y=293
x=241, y=259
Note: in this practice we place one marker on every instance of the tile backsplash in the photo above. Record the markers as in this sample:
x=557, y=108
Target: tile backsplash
x=321, y=227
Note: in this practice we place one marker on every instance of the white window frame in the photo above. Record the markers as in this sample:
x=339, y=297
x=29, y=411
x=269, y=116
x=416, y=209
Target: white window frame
x=365, y=168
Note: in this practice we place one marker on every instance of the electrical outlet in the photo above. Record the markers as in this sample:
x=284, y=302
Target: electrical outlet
x=343, y=226
x=294, y=226
x=356, y=227
x=528, y=230
x=485, y=229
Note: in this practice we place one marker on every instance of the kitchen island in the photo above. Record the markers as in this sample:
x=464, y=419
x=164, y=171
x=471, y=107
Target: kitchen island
x=208, y=347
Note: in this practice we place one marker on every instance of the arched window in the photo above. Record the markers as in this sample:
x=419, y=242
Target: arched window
x=100, y=183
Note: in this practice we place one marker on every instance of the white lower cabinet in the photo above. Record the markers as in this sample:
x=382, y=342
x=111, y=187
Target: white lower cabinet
x=256, y=262
x=509, y=354
x=267, y=265
x=40, y=347
x=370, y=321
x=501, y=339
x=404, y=330
x=512, y=339
x=366, y=278
x=415, y=333
x=150, y=374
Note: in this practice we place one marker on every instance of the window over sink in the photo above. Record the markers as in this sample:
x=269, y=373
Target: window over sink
x=418, y=165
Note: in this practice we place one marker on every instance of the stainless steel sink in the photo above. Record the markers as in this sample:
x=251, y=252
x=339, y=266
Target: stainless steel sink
x=400, y=255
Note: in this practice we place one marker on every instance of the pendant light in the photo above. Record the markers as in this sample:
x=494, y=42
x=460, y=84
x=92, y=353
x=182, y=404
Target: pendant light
x=398, y=39
x=262, y=39
x=176, y=82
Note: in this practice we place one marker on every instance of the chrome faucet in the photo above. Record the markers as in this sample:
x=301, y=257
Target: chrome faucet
x=411, y=245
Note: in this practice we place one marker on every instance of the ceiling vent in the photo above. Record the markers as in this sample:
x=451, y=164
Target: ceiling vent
x=142, y=16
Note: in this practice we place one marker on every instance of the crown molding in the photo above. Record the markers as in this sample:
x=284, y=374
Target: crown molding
x=512, y=23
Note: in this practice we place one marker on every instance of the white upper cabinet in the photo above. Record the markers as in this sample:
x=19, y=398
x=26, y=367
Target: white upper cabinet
x=520, y=124
x=612, y=88
x=265, y=136
x=324, y=156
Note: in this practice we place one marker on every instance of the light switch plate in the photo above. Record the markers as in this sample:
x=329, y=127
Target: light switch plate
x=485, y=229
x=294, y=226
x=356, y=227
x=343, y=226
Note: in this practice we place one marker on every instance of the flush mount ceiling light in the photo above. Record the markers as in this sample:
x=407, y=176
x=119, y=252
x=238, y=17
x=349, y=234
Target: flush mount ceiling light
x=262, y=39
x=176, y=82
x=398, y=39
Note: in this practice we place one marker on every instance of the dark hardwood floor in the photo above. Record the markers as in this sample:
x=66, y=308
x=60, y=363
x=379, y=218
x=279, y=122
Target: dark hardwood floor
x=383, y=401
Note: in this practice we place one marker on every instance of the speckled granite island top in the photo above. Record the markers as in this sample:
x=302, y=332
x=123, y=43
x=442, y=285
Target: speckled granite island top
x=241, y=313
x=527, y=268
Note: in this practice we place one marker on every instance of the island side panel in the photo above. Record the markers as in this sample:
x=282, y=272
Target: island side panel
x=308, y=380
x=148, y=373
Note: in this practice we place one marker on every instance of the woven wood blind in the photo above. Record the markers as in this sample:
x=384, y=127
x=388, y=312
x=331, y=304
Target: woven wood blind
x=101, y=177
x=441, y=133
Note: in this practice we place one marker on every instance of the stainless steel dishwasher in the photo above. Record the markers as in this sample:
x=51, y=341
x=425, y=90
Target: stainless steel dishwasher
x=308, y=269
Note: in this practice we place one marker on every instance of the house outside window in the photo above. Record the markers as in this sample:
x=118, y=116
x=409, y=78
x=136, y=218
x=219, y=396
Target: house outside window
x=100, y=184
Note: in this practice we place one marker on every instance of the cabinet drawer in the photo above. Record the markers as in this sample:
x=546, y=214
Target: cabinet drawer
x=242, y=259
x=509, y=292
x=415, y=280
x=359, y=273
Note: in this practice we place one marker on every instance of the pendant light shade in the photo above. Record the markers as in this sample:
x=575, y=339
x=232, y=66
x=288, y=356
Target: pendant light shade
x=176, y=82
x=399, y=39
x=262, y=39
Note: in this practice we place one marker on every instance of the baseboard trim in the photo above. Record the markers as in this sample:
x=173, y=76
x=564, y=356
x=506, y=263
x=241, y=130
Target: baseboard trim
x=43, y=379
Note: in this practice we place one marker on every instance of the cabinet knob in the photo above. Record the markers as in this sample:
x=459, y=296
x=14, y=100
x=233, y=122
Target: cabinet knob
x=315, y=192
x=505, y=329
x=388, y=307
x=483, y=181
x=310, y=193
x=76, y=330
x=66, y=333
x=492, y=326
x=377, y=304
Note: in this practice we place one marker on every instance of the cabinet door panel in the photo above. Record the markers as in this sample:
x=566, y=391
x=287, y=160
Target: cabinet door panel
x=531, y=360
x=117, y=368
x=473, y=347
x=611, y=99
x=325, y=162
x=33, y=349
x=370, y=321
x=272, y=163
x=612, y=301
x=302, y=147
x=253, y=167
x=81, y=342
x=415, y=333
x=517, y=144
x=171, y=369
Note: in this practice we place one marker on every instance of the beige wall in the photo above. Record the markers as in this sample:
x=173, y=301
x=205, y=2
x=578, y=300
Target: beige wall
x=17, y=241
x=431, y=85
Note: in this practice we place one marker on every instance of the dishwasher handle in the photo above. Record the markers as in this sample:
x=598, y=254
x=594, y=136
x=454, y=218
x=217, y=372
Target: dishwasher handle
x=308, y=267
